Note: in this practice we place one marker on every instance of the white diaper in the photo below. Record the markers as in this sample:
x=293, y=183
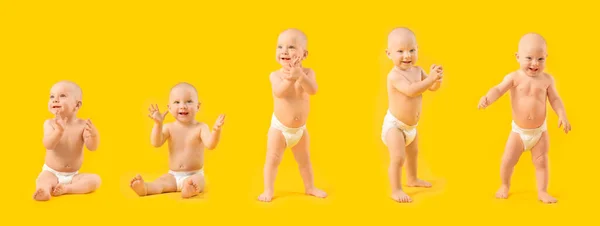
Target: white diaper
x=530, y=137
x=63, y=177
x=389, y=122
x=180, y=176
x=292, y=135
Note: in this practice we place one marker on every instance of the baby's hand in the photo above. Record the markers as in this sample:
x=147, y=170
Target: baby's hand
x=156, y=115
x=295, y=69
x=59, y=123
x=219, y=123
x=565, y=124
x=483, y=103
x=89, y=130
x=437, y=71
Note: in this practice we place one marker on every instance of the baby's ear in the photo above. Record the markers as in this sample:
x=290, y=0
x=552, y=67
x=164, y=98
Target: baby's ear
x=79, y=103
x=387, y=53
x=305, y=54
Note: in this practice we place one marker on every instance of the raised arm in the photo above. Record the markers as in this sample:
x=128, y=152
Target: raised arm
x=90, y=136
x=436, y=85
x=557, y=105
x=52, y=134
x=211, y=139
x=160, y=132
x=413, y=89
x=497, y=91
x=280, y=85
x=308, y=82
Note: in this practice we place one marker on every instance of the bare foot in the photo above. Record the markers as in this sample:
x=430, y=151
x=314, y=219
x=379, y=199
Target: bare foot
x=59, y=190
x=190, y=189
x=138, y=185
x=502, y=193
x=316, y=192
x=41, y=195
x=266, y=196
x=419, y=183
x=400, y=196
x=546, y=198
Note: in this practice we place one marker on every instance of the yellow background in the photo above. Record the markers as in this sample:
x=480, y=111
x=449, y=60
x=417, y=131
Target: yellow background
x=127, y=54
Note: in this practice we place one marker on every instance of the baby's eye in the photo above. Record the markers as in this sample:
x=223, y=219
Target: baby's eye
x=292, y=47
x=176, y=102
x=51, y=96
x=400, y=51
x=541, y=59
x=412, y=50
x=279, y=47
x=63, y=95
x=189, y=101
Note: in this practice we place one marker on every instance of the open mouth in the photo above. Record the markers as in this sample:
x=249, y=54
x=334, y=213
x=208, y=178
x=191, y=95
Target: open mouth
x=534, y=69
x=286, y=58
x=55, y=107
x=406, y=61
x=183, y=113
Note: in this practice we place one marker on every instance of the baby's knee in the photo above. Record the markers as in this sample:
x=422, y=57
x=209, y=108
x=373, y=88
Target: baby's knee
x=540, y=161
x=397, y=160
x=273, y=158
x=94, y=181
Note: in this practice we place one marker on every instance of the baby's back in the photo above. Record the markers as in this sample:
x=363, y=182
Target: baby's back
x=67, y=156
x=186, y=149
x=528, y=99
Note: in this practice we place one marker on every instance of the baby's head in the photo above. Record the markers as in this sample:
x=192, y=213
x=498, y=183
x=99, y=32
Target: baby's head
x=532, y=54
x=291, y=43
x=183, y=102
x=402, y=48
x=65, y=97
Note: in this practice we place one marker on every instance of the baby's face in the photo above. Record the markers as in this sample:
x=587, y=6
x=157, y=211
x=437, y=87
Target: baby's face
x=532, y=59
x=183, y=104
x=289, y=46
x=403, y=52
x=63, y=99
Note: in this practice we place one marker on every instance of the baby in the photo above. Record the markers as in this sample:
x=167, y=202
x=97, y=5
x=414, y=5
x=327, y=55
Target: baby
x=292, y=86
x=187, y=140
x=64, y=138
x=529, y=87
x=406, y=83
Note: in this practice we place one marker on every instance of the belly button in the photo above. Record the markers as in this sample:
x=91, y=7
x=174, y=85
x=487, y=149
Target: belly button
x=180, y=166
x=296, y=118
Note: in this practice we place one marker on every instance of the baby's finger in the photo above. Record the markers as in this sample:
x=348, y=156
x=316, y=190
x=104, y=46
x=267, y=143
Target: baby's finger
x=559, y=123
x=165, y=114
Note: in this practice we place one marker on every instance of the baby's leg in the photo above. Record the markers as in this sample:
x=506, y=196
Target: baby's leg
x=165, y=183
x=512, y=153
x=192, y=186
x=539, y=155
x=412, y=151
x=396, y=146
x=45, y=182
x=81, y=184
x=302, y=156
x=275, y=148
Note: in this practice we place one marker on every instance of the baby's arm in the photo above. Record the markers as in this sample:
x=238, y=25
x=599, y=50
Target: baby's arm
x=160, y=134
x=51, y=135
x=557, y=104
x=211, y=140
x=90, y=136
x=280, y=86
x=497, y=91
x=436, y=85
x=308, y=82
x=412, y=89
